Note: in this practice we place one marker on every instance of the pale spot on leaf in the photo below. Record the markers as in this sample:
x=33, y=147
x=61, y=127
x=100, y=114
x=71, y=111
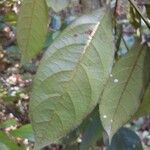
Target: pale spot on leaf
x=111, y=75
x=116, y=80
x=104, y=116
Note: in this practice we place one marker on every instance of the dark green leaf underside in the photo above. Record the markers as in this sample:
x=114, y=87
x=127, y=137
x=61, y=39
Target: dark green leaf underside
x=126, y=139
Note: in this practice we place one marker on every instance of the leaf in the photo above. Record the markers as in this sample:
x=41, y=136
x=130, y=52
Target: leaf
x=32, y=28
x=144, y=109
x=90, y=129
x=70, y=140
x=126, y=139
x=58, y=5
x=8, y=123
x=10, y=17
x=6, y=143
x=71, y=77
x=25, y=132
x=92, y=132
x=125, y=88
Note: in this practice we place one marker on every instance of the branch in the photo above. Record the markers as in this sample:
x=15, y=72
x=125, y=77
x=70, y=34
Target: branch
x=138, y=11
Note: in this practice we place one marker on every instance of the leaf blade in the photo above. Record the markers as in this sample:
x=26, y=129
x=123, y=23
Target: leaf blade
x=71, y=72
x=32, y=28
x=123, y=92
x=25, y=132
x=6, y=143
x=93, y=131
x=125, y=139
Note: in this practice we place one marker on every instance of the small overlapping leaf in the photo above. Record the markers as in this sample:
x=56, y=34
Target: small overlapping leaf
x=71, y=77
x=32, y=28
x=125, y=88
x=8, y=123
x=126, y=139
x=93, y=131
x=25, y=132
x=6, y=143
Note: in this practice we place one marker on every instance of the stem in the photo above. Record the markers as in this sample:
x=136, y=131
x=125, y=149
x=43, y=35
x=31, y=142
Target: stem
x=125, y=44
x=138, y=11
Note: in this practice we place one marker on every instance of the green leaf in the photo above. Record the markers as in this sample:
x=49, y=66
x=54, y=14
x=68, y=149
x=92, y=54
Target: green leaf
x=71, y=77
x=32, y=28
x=8, y=123
x=58, y=5
x=125, y=88
x=92, y=132
x=6, y=143
x=10, y=17
x=144, y=109
x=90, y=129
x=25, y=132
x=126, y=139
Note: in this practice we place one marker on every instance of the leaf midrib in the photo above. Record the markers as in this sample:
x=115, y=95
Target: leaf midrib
x=86, y=47
x=126, y=84
x=30, y=25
